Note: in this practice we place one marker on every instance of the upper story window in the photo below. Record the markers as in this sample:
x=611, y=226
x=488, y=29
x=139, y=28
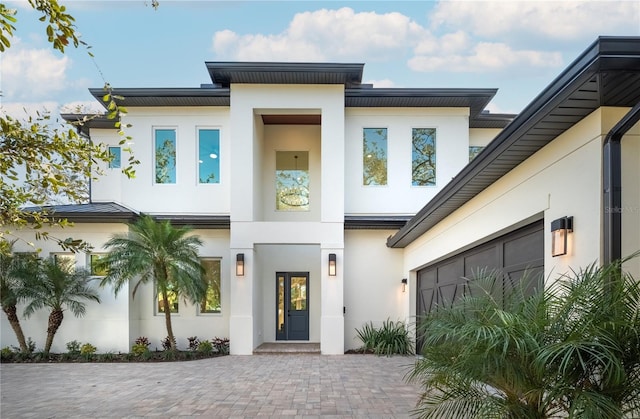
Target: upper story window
x=208, y=156
x=474, y=150
x=374, y=156
x=116, y=157
x=423, y=157
x=165, y=155
x=292, y=180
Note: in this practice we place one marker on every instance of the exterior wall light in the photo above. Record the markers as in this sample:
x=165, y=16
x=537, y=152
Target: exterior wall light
x=240, y=264
x=332, y=264
x=560, y=229
x=404, y=284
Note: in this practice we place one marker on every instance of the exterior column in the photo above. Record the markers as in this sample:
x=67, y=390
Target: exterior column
x=241, y=310
x=332, y=315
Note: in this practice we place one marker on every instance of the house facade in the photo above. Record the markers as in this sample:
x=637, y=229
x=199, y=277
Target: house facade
x=316, y=195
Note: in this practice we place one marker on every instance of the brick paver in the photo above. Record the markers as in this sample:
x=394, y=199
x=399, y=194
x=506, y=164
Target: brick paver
x=343, y=386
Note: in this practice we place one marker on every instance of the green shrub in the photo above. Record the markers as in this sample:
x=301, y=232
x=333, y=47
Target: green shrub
x=73, y=347
x=139, y=349
x=390, y=339
x=142, y=341
x=166, y=343
x=88, y=349
x=6, y=354
x=205, y=347
x=107, y=357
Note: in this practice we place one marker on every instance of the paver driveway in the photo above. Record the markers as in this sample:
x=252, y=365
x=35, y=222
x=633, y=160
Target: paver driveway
x=364, y=386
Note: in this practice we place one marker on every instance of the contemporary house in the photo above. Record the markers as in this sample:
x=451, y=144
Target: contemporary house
x=324, y=203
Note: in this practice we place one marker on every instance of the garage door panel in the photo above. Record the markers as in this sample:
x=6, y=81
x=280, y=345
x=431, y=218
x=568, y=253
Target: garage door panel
x=484, y=259
x=426, y=300
x=450, y=273
x=522, y=249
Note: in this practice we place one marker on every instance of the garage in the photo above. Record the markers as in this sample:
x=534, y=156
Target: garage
x=512, y=254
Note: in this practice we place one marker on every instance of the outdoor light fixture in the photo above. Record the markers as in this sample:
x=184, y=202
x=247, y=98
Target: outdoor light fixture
x=559, y=232
x=240, y=264
x=332, y=264
x=404, y=284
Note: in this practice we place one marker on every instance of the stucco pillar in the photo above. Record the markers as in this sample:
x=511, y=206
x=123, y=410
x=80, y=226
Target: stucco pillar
x=241, y=310
x=332, y=316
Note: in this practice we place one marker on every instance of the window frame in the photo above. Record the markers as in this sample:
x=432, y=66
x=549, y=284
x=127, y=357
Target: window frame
x=386, y=157
x=155, y=130
x=435, y=158
x=199, y=129
x=213, y=313
x=117, y=159
x=90, y=264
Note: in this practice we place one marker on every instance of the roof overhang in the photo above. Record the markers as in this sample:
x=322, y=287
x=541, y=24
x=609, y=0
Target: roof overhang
x=225, y=73
x=86, y=121
x=150, y=97
x=374, y=222
x=606, y=74
x=100, y=212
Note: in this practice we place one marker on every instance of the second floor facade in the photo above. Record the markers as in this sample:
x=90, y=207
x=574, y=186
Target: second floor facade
x=292, y=142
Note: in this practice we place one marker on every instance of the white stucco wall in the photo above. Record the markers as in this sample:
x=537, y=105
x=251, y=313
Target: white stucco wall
x=104, y=325
x=372, y=282
x=562, y=179
x=399, y=196
x=631, y=198
x=482, y=136
x=187, y=196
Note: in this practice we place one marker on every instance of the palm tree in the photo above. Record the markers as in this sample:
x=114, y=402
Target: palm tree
x=56, y=285
x=570, y=351
x=159, y=253
x=9, y=286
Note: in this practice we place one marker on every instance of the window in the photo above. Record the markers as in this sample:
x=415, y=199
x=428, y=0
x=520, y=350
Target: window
x=423, y=157
x=474, y=150
x=65, y=260
x=208, y=156
x=374, y=156
x=292, y=180
x=94, y=261
x=116, y=159
x=165, y=155
x=172, y=296
x=211, y=302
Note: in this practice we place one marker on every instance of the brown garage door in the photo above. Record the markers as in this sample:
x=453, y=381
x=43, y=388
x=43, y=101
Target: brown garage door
x=512, y=254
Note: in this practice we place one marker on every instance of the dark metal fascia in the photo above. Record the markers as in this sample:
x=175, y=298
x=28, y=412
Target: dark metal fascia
x=374, y=222
x=164, y=92
x=221, y=222
x=612, y=183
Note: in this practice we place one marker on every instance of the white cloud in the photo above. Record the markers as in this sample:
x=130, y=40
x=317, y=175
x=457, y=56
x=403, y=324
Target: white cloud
x=325, y=35
x=82, y=107
x=32, y=73
x=382, y=83
x=485, y=57
x=559, y=20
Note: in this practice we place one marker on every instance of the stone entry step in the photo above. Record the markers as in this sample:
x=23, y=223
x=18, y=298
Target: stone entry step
x=288, y=348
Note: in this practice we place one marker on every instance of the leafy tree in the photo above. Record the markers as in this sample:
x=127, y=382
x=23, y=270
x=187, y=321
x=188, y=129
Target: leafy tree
x=158, y=253
x=10, y=285
x=43, y=159
x=166, y=162
x=570, y=351
x=57, y=285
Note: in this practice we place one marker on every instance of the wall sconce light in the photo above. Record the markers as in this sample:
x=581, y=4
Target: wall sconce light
x=332, y=264
x=404, y=284
x=240, y=264
x=559, y=232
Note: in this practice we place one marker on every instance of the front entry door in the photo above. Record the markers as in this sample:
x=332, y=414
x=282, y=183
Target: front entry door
x=292, y=306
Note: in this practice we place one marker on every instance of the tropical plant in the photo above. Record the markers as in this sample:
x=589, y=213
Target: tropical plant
x=56, y=285
x=9, y=285
x=158, y=253
x=73, y=347
x=391, y=338
x=168, y=343
x=221, y=345
x=193, y=343
x=205, y=347
x=571, y=351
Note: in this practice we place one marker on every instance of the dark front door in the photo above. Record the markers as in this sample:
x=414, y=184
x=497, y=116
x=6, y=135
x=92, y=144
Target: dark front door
x=292, y=306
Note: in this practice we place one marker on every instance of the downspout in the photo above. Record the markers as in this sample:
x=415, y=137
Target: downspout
x=612, y=182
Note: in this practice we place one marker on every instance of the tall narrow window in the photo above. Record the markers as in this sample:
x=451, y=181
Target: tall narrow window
x=208, y=156
x=423, y=157
x=211, y=301
x=65, y=260
x=116, y=158
x=94, y=264
x=292, y=180
x=374, y=156
x=165, y=155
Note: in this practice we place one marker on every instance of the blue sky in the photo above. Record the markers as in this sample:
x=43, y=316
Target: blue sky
x=518, y=47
